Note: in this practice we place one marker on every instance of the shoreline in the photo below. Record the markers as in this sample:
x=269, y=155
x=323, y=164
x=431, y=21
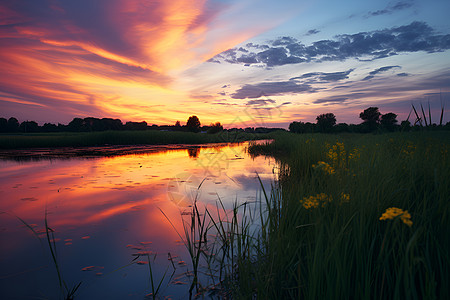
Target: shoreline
x=101, y=151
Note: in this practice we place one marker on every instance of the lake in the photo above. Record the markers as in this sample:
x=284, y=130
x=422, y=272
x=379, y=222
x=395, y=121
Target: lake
x=109, y=216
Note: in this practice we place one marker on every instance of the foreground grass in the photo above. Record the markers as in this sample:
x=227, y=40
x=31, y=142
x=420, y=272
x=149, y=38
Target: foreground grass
x=321, y=236
x=86, y=139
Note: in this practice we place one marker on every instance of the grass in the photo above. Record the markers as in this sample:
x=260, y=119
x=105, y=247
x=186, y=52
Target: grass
x=66, y=293
x=318, y=232
x=336, y=246
x=148, y=137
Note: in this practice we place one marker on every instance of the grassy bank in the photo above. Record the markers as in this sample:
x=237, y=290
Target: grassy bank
x=148, y=137
x=327, y=233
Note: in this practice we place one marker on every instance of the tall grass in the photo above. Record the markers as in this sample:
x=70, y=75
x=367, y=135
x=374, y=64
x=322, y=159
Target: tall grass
x=341, y=249
x=318, y=233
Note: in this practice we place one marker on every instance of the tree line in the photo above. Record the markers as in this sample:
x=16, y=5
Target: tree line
x=372, y=120
x=12, y=125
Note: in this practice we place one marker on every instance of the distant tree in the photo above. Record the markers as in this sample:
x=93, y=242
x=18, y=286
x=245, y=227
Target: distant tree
x=341, y=127
x=300, y=127
x=325, y=122
x=193, y=124
x=177, y=124
x=29, y=126
x=3, y=125
x=13, y=125
x=77, y=124
x=215, y=127
x=405, y=125
x=49, y=127
x=389, y=121
x=371, y=118
x=135, y=125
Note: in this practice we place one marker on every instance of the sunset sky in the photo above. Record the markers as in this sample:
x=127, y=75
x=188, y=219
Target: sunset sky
x=240, y=62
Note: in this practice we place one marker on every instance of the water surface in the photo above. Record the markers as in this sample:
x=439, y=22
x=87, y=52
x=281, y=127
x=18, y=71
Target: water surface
x=105, y=211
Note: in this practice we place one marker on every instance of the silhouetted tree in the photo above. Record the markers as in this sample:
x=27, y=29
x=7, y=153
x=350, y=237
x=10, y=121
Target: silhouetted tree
x=3, y=125
x=193, y=124
x=405, y=125
x=300, y=127
x=49, y=127
x=389, y=121
x=214, y=128
x=177, y=124
x=136, y=125
x=342, y=127
x=371, y=118
x=29, y=126
x=13, y=125
x=325, y=122
x=77, y=124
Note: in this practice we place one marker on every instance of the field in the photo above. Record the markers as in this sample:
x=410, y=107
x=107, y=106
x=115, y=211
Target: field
x=88, y=139
x=352, y=217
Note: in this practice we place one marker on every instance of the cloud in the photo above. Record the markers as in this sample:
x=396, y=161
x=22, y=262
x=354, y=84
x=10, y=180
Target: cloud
x=312, y=32
x=402, y=74
x=331, y=100
x=271, y=89
x=417, y=36
x=379, y=70
x=260, y=102
x=392, y=8
x=321, y=77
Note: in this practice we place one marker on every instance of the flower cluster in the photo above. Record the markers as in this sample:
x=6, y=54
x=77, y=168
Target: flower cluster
x=314, y=201
x=336, y=153
x=321, y=165
x=394, y=212
x=354, y=154
x=409, y=149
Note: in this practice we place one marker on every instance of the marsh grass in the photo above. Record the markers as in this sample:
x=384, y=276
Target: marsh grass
x=86, y=139
x=336, y=247
x=340, y=249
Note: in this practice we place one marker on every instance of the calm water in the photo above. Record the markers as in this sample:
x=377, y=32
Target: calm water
x=105, y=211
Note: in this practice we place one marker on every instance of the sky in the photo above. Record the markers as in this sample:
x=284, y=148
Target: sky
x=239, y=62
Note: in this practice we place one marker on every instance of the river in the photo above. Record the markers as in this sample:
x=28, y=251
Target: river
x=108, y=216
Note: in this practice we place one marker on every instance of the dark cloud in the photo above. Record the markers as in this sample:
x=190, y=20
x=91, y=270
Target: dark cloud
x=379, y=70
x=402, y=74
x=312, y=32
x=392, y=8
x=417, y=36
x=270, y=89
x=320, y=77
x=260, y=102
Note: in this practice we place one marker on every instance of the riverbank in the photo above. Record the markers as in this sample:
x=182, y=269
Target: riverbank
x=129, y=138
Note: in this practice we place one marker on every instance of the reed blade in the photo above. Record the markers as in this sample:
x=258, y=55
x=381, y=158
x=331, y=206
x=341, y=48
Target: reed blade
x=418, y=119
x=423, y=113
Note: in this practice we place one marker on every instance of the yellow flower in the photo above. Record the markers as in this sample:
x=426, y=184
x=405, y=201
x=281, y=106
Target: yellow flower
x=345, y=198
x=394, y=212
x=314, y=201
x=310, y=202
x=321, y=165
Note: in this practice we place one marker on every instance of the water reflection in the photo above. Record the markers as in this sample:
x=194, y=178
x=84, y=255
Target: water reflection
x=106, y=211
